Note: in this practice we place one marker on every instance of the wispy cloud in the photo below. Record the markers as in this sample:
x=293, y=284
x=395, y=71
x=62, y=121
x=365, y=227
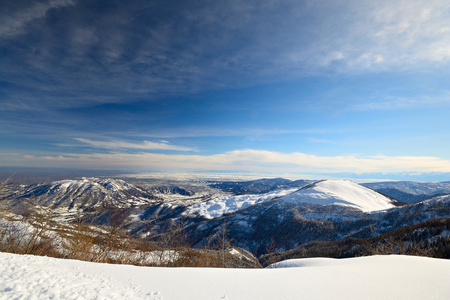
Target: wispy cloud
x=215, y=45
x=193, y=132
x=413, y=31
x=14, y=22
x=373, y=36
x=238, y=160
x=398, y=103
x=116, y=72
x=146, y=145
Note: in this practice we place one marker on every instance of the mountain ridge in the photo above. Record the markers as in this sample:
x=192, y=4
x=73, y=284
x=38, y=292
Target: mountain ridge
x=256, y=222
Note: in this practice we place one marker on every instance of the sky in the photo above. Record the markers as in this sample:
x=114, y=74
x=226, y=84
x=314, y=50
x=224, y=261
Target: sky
x=305, y=87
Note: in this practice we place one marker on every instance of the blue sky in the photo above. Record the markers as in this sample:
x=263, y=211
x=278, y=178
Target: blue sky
x=307, y=87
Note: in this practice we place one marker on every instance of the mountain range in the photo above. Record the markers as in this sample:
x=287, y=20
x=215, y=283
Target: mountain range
x=261, y=215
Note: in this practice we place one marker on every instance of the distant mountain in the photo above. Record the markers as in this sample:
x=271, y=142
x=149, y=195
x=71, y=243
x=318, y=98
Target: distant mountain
x=81, y=193
x=400, y=176
x=92, y=193
x=410, y=191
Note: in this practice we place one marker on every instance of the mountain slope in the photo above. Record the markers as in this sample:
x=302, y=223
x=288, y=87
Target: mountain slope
x=82, y=193
x=324, y=192
x=340, y=192
x=326, y=210
x=283, y=225
x=430, y=238
x=230, y=204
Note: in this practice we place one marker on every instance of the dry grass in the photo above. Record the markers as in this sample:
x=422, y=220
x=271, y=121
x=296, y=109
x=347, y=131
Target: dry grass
x=38, y=234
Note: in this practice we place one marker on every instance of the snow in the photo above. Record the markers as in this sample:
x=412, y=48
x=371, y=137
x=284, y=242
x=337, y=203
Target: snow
x=375, y=277
x=229, y=204
x=326, y=192
x=341, y=192
x=71, y=193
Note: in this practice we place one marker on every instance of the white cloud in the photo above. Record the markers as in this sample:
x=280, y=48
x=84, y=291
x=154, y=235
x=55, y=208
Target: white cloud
x=116, y=144
x=232, y=45
x=12, y=24
x=409, y=32
x=243, y=160
x=193, y=131
x=391, y=103
x=378, y=35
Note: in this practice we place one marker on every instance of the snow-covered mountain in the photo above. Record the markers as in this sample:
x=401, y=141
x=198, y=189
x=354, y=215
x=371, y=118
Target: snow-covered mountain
x=82, y=193
x=294, y=213
x=324, y=210
x=287, y=224
x=340, y=192
x=323, y=192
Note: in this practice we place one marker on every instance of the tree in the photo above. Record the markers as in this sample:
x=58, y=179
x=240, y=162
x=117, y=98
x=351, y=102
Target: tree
x=223, y=243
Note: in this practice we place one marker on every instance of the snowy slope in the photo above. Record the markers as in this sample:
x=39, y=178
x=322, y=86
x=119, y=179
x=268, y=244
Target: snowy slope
x=326, y=192
x=340, y=192
x=229, y=204
x=376, y=277
x=92, y=192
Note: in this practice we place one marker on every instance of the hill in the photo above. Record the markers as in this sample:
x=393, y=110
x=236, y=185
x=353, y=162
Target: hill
x=341, y=192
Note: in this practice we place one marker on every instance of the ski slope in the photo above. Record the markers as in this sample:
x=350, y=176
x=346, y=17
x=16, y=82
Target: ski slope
x=375, y=277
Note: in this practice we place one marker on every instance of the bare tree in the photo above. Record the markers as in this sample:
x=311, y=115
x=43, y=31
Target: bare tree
x=223, y=243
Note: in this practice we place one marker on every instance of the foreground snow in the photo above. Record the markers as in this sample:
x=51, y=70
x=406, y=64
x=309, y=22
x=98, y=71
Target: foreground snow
x=376, y=277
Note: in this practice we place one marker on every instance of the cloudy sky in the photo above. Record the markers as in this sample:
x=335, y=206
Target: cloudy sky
x=258, y=86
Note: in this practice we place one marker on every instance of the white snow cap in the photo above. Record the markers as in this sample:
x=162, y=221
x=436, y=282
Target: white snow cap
x=340, y=192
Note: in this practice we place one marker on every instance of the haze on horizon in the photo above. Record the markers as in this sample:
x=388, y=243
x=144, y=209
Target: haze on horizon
x=265, y=87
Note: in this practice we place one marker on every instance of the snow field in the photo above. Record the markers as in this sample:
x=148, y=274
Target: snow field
x=34, y=277
x=375, y=277
x=218, y=207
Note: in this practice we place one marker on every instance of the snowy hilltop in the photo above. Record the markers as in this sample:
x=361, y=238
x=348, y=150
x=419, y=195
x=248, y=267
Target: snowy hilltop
x=341, y=192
